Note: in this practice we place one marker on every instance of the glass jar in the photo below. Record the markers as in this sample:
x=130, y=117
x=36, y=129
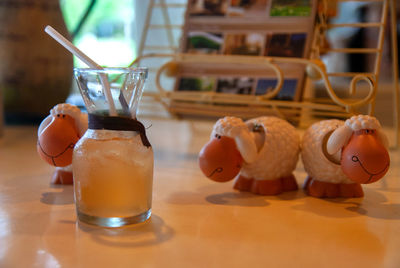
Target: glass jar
x=113, y=162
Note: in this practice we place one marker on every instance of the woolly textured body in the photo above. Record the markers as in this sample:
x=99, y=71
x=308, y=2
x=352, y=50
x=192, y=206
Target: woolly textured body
x=278, y=155
x=315, y=162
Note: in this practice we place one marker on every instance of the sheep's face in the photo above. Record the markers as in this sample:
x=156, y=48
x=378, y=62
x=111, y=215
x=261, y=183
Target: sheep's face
x=364, y=158
x=219, y=159
x=57, y=140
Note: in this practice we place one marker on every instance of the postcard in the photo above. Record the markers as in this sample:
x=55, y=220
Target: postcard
x=247, y=8
x=270, y=28
x=291, y=8
x=287, y=92
x=244, y=44
x=203, y=83
x=204, y=43
x=235, y=85
x=208, y=7
x=285, y=45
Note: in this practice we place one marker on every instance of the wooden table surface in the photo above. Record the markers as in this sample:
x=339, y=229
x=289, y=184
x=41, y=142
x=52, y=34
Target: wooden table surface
x=195, y=222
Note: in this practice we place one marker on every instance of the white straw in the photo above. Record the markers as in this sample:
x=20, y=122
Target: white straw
x=78, y=53
x=134, y=102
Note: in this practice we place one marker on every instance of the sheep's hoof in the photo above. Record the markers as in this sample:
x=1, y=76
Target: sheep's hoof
x=243, y=184
x=323, y=189
x=267, y=187
x=351, y=190
x=62, y=177
x=289, y=183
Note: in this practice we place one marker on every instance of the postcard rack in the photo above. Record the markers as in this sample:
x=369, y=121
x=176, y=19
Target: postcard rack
x=220, y=104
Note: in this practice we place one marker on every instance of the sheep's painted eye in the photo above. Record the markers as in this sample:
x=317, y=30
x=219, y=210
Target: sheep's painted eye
x=217, y=136
x=58, y=115
x=63, y=115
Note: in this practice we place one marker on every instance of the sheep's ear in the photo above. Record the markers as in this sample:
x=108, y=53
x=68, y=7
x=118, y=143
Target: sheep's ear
x=338, y=139
x=212, y=135
x=246, y=146
x=382, y=138
x=44, y=124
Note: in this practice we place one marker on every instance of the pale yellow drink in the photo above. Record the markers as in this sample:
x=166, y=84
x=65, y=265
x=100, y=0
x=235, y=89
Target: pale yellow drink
x=113, y=174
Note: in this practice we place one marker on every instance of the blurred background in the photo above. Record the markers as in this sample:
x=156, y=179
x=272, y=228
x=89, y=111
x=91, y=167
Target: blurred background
x=110, y=32
x=109, y=26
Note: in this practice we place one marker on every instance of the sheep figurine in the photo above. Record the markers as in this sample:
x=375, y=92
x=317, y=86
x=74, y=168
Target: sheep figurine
x=338, y=156
x=57, y=135
x=263, y=150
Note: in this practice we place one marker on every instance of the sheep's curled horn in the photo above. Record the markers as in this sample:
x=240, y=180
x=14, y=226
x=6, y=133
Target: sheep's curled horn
x=338, y=139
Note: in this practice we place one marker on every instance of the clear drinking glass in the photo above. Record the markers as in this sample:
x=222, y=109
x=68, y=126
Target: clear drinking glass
x=113, y=161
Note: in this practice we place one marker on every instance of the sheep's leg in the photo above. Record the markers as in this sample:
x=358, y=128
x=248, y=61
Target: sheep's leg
x=289, y=183
x=243, y=184
x=62, y=177
x=321, y=189
x=267, y=187
x=351, y=190
x=331, y=190
x=274, y=187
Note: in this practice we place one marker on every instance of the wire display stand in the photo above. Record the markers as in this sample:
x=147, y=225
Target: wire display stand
x=220, y=104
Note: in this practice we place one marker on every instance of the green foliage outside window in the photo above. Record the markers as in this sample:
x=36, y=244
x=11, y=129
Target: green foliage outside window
x=105, y=35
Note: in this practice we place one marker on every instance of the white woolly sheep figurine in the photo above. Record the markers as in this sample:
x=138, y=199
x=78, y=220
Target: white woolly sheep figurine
x=263, y=151
x=57, y=136
x=338, y=156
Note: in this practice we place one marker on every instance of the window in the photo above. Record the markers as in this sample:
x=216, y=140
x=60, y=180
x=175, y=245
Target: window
x=107, y=34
